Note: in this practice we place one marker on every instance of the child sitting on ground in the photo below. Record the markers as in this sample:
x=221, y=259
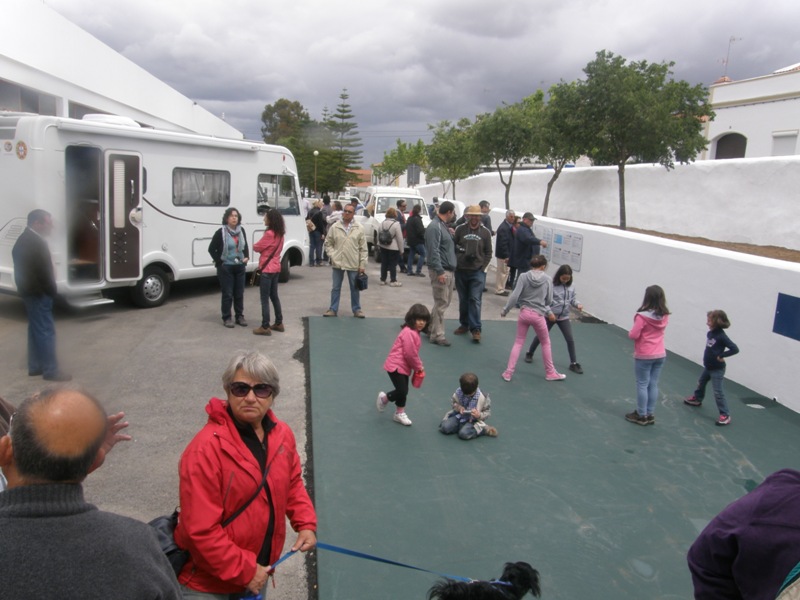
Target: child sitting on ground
x=470, y=409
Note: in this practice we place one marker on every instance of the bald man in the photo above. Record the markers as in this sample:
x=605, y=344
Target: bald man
x=53, y=543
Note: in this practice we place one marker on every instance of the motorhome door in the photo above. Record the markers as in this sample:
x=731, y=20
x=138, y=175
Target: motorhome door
x=123, y=216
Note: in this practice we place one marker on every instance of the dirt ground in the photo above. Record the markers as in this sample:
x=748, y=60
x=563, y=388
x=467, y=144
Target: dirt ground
x=768, y=251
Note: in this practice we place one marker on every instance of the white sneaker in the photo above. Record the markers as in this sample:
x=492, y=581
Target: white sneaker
x=382, y=401
x=556, y=377
x=401, y=418
x=395, y=284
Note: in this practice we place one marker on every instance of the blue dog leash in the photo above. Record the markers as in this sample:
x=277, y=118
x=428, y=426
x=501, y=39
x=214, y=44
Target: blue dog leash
x=354, y=553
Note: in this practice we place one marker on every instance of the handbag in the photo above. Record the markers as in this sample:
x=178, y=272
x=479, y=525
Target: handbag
x=310, y=225
x=362, y=282
x=164, y=528
x=255, y=276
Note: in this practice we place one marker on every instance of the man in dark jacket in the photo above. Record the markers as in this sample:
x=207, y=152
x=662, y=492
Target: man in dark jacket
x=36, y=284
x=415, y=237
x=473, y=254
x=502, y=251
x=402, y=207
x=526, y=245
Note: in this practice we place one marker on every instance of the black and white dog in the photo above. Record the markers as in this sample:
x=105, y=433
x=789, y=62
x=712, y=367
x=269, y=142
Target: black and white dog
x=517, y=580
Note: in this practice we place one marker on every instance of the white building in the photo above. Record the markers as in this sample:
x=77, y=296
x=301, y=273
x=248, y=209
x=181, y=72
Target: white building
x=755, y=117
x=50, y=66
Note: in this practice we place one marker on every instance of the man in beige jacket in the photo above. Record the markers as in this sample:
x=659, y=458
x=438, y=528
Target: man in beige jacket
x=346, y=246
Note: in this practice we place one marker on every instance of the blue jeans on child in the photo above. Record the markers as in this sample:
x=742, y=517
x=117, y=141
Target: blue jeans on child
x=716, y=377
x=647, y=372
x=451, y=425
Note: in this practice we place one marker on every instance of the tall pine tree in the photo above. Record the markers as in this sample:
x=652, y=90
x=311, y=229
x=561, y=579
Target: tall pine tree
x=345, y=132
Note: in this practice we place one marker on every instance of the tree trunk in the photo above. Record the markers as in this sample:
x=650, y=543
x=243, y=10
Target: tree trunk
x=621, y=176
x=556, y=173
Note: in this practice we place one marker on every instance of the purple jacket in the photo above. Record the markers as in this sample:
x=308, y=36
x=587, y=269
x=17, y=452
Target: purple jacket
x=748, y=549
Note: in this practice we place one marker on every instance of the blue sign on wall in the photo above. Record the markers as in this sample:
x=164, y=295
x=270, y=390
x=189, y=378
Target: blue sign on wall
x=787, y=317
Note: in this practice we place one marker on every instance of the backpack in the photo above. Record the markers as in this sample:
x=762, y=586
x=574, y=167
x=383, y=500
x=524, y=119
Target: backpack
x=385, y=236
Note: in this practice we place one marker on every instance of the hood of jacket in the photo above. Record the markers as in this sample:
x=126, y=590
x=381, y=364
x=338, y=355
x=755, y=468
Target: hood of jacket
x=536, y=278
x=654, y=320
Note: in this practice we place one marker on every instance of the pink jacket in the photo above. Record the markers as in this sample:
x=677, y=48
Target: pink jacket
x=269, y=244
x=648, y=335
x=404, y=355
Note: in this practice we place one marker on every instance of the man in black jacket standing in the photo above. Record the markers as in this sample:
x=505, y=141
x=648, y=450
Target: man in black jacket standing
x=36, y=284
x=503, y=247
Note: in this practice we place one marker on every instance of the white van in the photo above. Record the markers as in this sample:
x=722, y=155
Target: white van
x=136, y=207
x=376, y=202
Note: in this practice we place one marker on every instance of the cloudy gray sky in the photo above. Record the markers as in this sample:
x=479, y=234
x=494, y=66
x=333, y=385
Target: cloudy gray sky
x=410, y=63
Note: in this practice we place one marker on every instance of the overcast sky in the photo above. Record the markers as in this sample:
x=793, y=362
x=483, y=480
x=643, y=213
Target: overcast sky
x=410, y=63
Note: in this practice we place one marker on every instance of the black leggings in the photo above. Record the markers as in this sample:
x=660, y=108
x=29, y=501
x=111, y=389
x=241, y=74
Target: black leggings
x=400, y=392
x=566, y=330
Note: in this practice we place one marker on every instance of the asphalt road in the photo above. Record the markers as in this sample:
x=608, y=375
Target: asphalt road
x=162, y=365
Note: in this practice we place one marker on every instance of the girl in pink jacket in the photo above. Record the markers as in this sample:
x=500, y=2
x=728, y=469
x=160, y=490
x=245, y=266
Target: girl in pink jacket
x=404, y=358
x=649, y=354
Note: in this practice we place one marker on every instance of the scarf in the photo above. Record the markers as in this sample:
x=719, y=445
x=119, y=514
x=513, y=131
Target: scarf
x=228, y=235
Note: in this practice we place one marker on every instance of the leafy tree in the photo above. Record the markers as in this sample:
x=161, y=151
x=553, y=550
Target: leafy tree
x=559, y=141
x=633, y=112
x=345, y=132
x=397, y=161
x=282, y=120
x=507, y=137
x=452, y=154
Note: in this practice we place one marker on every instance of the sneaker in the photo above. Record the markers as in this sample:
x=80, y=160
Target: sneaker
x=651, y=419
x=556, y=377
x=262, y=331
x=329, y=313
x=528, y=357
x=501, y=293
x=277, y=327
x=506, y=376
x=395, y=284
x=382, y=401
x=240, y=321
x=383, y=282
x=421, y=274
x=576, y=368
x=359, y=315
x=723, y=419
x=402, y=418
x=634, y=417
x=476, y=336
x=693, y=401
x=490, y=431
x=441, y=342
x=461, y=330
x=228, y=323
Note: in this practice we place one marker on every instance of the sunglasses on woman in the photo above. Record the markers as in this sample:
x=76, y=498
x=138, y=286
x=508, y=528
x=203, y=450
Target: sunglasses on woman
x=240, y=389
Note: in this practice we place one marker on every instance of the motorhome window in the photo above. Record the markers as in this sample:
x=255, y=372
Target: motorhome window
x=197, y=187
x=277, y=191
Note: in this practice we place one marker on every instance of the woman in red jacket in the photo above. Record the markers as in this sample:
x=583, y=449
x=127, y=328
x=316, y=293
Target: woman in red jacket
x=223, y=469
x=269, y=264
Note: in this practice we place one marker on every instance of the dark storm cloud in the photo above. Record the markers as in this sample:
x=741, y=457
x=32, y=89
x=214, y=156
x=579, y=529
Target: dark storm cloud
x=408, y=64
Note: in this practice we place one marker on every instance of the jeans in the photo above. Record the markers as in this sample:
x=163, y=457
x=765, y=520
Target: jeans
x=530, y=318
x=355, y=296
x=647, y=372
x=419, y=249
x=315, y=240
x=269, y=292
x=566, y=330
x=470, y=286
x=41, y=335
x=717, y=376
x=400, y=392
x=389, y=260
x=231, y=280
x=442, y=296
x=465, y=430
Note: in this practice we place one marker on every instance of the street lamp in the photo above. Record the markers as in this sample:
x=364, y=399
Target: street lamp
x=316, y=154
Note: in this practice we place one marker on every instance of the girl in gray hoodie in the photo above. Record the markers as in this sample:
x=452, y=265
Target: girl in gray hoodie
x=533, y=293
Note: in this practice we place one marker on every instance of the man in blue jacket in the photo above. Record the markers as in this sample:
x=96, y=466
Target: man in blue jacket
x=526, y=245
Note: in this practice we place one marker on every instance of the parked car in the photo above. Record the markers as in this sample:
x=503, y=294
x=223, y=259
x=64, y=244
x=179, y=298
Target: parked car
x=378, y=200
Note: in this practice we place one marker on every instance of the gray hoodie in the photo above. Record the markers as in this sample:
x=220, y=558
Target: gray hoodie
x=534, y=290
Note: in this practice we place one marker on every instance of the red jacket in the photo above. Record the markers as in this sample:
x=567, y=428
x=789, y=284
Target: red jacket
x=269, y=246
x=218, y=474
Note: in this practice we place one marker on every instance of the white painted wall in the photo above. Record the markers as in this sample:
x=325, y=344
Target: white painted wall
x=754, y=201
x=617, y=266
x=42, y=50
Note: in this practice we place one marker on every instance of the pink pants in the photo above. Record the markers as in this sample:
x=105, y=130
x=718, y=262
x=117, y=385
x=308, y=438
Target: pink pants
x=530, y=318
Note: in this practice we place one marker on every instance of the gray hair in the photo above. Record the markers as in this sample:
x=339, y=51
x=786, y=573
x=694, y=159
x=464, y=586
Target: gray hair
x=257, y=366
x=510, y=213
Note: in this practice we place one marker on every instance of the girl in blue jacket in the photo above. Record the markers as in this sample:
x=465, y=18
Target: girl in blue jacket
x=718, y=347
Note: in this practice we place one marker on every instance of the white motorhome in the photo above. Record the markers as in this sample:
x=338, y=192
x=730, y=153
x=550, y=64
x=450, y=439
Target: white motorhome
x=376, y=202
x=137, y=207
